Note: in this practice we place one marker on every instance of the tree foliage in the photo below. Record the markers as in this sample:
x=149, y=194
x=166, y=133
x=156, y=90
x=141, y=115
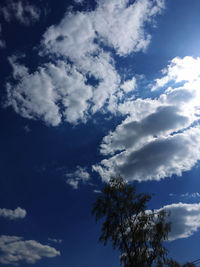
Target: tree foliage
x=189, y=264
x=135, y=231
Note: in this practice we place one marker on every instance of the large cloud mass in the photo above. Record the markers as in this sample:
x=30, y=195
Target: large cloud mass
x=81, y=79
x=160, y=137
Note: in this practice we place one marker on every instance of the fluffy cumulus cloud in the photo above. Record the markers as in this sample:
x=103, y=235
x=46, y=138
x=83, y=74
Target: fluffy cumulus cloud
x=160, y=137
x=81, y=77
x=80, y=175
x=184, y=218
x=18, y=213
x=14, y=249
x=117, y=24
x=21, y=11
x=129, y=85
x=39, y=95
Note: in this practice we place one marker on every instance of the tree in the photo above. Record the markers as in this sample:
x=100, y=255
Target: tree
x=189, y=264
x=137, y=232
x=172, y=263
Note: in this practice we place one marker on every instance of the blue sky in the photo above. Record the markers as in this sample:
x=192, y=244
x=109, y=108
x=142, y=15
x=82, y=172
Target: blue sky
x=90, y=89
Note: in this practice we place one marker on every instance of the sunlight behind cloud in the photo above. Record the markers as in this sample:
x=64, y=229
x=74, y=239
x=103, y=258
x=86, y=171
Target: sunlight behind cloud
x=159, y=137
x=185, y=69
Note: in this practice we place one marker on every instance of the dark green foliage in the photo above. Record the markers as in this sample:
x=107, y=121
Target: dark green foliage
x=188, y=264
x=172, y=263
x=138, y=234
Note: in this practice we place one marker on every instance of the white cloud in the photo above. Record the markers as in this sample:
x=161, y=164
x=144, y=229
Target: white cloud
x=158, y=138
x=60, y=91
x=117, y=24
x=46, y=92
x=78, y=176
x=185, y=219
x=156, y=159
x=84, y=79
x=122, y=26
x=97, y=191
x=129, y=85
x=186, y=195
x=14, y=249
x=33, y=96
x=23, y=12
x=73, y=183
x=191, y=195
x=180, y=70
x=18, y=213
x=73, y=37
x=54, y=240
x=133, y=134
x=79, y=1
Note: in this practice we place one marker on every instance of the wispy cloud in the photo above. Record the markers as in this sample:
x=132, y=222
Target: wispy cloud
x=97, y=191
x=18, y=213
x=186, y=195
x=54, y=240
x=79, y=176
x=2, y=42
x=21, y=11
x=191, y=195
x=15, y=250
x=27, y=128
x=79, y=1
